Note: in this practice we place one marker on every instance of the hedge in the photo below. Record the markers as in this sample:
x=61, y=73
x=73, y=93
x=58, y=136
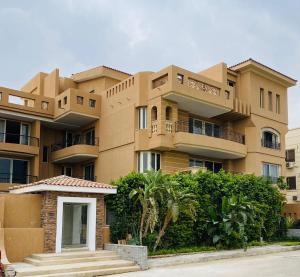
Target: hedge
x=209, y=189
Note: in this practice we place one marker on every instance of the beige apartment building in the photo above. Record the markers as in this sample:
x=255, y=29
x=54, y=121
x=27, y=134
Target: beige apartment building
x=293, y=165
x=102, y=123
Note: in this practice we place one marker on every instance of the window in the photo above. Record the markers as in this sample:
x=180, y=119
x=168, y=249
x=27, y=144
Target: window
x=142, y=118
x=59, y=104
x=13, y=171
x=227, y=94
x=262, y=98
x=290, y=155
x=277, y=103
x=210, y=165
x=148, y=161
x=44, y=105
x=66, y=170
x=180, y=78
x=168, y=113
x=24, y=135
x=65, y=100
x=231, y=83
x=2, y=130
x=90, y=137
x=271, y=171
x=89, y=172
x=14, y=132
x=291, y=182
x=80, y=100
x=200, y=127
x=92, y=103
x=45, y=154
x=270, y=101
x=0, y=96
x=270, y=140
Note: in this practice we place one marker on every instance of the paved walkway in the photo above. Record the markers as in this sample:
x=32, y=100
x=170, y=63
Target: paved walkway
x=271, y=265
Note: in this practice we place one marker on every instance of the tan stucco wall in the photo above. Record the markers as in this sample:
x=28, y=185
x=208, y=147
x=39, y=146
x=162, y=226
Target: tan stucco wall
x=21, y=226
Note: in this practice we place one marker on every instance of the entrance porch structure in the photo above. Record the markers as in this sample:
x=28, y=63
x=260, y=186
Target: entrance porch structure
x=72, y=212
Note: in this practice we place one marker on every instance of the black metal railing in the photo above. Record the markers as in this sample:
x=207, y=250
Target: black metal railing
x=270, y=144
x=76, y=140
x=185, y=126
x=88, y=178
x=17, y=178
x=19, y=139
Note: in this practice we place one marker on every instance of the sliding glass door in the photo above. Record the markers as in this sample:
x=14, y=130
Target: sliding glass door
x=13, y=171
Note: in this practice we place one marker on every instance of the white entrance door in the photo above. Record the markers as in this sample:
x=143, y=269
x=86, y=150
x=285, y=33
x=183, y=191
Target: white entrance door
x=76, y=223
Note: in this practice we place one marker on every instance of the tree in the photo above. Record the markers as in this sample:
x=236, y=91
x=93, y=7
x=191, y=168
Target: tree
x=236, y=213
x=178, y=201
x=148, y=197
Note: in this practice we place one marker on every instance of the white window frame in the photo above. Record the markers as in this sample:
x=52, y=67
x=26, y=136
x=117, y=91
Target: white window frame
x=141, y=168
x=142, y=118
x=91, y=220
x=269, y=165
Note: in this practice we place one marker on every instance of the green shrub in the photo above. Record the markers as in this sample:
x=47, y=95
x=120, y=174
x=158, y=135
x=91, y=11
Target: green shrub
x=209, y=188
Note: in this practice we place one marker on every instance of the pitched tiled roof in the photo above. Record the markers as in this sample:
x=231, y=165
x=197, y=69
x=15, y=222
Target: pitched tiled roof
x=66, y=181
x=252, y=60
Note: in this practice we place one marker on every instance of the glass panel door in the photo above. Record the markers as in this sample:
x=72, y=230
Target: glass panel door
x=13, y=129
x=20, y=171
x=89, y=172
x=74, y=229
x=2, y=130
x=24, y=138
x=5, y=176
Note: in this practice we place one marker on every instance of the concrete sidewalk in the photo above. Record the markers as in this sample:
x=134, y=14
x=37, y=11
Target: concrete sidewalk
x=285, y=264
x=172, y=260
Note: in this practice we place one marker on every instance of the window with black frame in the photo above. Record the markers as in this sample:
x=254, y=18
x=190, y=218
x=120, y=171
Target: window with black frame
x=291, y=182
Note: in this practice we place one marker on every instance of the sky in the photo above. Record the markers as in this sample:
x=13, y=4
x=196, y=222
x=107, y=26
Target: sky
x=140, y=35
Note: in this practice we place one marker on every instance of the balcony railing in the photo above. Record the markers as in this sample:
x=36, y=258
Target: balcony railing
x=270, y=144
x=184, y=126
x=19, y=139
x=76, y=140
x=168, y=123
x=17, y=178
x=88, y=178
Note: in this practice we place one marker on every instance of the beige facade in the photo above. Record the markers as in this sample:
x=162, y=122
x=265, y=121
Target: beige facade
x=102, y=123
x=293, y=165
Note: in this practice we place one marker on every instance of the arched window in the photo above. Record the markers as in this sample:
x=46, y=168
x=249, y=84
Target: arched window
x=270, y=138
x=154, y=113
x=168, y=113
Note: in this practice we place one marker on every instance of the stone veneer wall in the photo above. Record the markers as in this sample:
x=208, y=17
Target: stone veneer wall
x=49, y=214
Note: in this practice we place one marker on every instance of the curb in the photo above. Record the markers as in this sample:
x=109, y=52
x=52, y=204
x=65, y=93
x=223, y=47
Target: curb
x=219, y=255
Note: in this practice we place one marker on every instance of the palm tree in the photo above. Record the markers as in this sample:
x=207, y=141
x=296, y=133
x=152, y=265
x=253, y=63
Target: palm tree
x=178, y=202
x=148, y=197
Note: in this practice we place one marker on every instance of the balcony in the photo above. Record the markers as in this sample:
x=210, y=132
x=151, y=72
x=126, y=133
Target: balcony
x=8, y=180
x=270, y=144
x=19, y=101
x=78, y=150
x=223, y=144
x=192, y=92
x=77, y=108
x=21, y=144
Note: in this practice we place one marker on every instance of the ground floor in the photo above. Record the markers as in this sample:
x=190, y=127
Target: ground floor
x=272, y=265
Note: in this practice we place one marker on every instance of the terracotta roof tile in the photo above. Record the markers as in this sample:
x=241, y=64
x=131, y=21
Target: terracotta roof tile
x=64, y=180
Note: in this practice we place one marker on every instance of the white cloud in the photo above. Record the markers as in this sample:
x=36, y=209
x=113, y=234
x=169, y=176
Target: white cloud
x=139, y=35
